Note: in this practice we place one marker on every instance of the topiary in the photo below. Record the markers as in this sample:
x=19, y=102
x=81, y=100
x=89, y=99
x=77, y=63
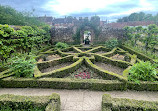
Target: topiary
x=144, y=71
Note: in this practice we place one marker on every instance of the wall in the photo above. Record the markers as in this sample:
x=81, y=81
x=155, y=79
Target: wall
x=65, y=34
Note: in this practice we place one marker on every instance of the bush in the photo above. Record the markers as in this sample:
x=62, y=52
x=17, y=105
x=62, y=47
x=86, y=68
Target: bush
x=112, y=43
x=61, y=45
x=144, y=71
x=23, y=65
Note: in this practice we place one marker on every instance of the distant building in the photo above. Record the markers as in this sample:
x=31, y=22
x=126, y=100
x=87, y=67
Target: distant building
x=47, y=20
x=103, y=23
x=63, y=22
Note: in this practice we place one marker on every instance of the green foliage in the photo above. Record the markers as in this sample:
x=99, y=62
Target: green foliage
x=23, y=65
x=141, y=16
x=10, y=16
x=9, y=108
x=61, y=45
x=22, y=40
x=6, y=31
x=144, y=40
x=143, y=71
x=93, y=24
x=112, y=43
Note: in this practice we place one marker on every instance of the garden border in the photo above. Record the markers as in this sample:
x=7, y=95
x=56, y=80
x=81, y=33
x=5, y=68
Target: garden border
x=119, y=104
x=42, y=102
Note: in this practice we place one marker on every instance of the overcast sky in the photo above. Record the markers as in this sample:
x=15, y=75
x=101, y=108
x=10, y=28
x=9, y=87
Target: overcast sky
x=110, y=9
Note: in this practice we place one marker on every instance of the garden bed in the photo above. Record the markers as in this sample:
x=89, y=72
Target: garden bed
x=84, y=73
x=110, y=68
x=55, y=67
x=50, y=57
x=101, y=52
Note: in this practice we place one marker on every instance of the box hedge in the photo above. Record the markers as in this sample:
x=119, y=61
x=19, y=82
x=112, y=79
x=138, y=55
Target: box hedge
x=121, y=104
x=41, y=103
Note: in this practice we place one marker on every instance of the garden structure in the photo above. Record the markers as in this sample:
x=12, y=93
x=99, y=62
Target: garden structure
x=79, y=67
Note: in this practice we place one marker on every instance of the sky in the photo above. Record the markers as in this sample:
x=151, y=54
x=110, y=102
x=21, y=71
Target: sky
x=106, y=9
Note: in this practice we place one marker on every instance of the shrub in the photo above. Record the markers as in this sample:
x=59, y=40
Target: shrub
x=144, y=71
x=61, y=45
x=23, y=65
x=112, y=43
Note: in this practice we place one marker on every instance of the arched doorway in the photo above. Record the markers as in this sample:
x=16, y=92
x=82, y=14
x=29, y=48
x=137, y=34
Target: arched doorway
x=87, y=37
x=87, y=32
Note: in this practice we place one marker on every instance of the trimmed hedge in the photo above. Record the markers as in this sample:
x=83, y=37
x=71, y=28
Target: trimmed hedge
x=77, y=50
x=67, y=83
x=60, y=72
x=41, y=103
x=139, y=55
x=143, y=86
x=99, y=48
x=119, y=63
x=6, y=73
x=105, y=74
x=121, y=104
x=46, y=64
x=63, y=83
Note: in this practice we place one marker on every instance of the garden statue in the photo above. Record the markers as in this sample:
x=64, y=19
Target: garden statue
x=87, y=41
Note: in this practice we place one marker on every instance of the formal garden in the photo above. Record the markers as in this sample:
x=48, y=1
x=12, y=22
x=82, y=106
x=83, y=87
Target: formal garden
x=104, y=67
x=29, y=59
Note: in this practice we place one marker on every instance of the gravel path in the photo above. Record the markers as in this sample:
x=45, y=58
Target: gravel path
x=110, y=68
x=81, y=100
x=56, y=67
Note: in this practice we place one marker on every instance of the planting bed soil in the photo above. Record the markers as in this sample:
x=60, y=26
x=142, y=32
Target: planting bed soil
x=84, y=73
x=118, y=57
x=56, y=67
x=50, y=57
x=110, y=68
x=100, y=52
x=70, y=52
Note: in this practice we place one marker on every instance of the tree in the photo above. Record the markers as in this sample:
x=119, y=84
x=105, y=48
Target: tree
x=10, y=16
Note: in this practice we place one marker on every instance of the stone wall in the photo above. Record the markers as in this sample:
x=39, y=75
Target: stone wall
x=65, y=34
x=107, y=33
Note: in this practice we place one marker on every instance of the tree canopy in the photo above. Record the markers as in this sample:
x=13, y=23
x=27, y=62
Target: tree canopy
x=10, y=16
x=141, y=16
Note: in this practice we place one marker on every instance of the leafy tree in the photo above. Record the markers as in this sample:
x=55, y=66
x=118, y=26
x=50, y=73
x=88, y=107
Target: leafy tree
x=141, y=16
x=10, y=16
